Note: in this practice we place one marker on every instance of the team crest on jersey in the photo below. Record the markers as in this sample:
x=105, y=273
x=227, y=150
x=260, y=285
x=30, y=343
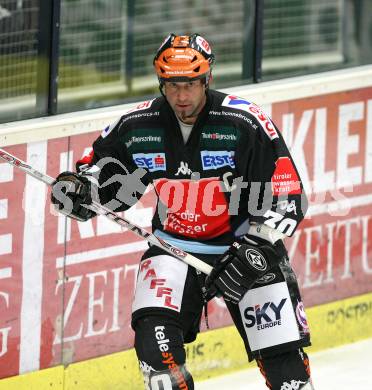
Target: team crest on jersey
x=214, y=159
x=244, y=105
x=151, y=161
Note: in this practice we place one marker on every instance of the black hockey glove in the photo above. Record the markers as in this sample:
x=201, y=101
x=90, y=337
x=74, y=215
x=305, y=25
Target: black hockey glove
x=70, y=192
x=242, y=265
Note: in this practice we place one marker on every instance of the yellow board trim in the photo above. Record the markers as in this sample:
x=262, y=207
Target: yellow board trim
x=214, y=353
x=340, y=322
x=50, y=378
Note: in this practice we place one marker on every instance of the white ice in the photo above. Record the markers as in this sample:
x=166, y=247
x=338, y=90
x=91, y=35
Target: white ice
x=348, y=367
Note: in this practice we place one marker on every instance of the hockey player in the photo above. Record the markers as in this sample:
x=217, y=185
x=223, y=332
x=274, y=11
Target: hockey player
x=228, y=193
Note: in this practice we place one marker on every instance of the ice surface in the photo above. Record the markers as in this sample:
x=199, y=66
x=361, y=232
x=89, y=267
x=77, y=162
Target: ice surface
x=342, y=368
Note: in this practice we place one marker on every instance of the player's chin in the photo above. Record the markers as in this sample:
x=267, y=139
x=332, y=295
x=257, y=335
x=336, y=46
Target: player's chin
x=184, y=114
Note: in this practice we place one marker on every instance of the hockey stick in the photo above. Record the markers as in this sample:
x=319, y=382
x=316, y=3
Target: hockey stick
x=102, y=210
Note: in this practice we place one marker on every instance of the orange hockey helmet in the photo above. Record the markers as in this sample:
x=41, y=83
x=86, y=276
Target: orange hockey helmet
x=184, y=58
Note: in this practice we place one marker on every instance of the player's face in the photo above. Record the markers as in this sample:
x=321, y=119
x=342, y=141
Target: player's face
x=186, y=98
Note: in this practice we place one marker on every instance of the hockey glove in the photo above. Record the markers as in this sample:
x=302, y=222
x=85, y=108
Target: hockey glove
x=242, y=265
x=70, y=192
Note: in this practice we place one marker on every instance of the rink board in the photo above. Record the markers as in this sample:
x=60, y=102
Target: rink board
x=214, y=353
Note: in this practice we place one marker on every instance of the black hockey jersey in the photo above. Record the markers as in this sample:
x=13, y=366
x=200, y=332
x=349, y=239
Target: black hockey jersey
x=235, y=168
